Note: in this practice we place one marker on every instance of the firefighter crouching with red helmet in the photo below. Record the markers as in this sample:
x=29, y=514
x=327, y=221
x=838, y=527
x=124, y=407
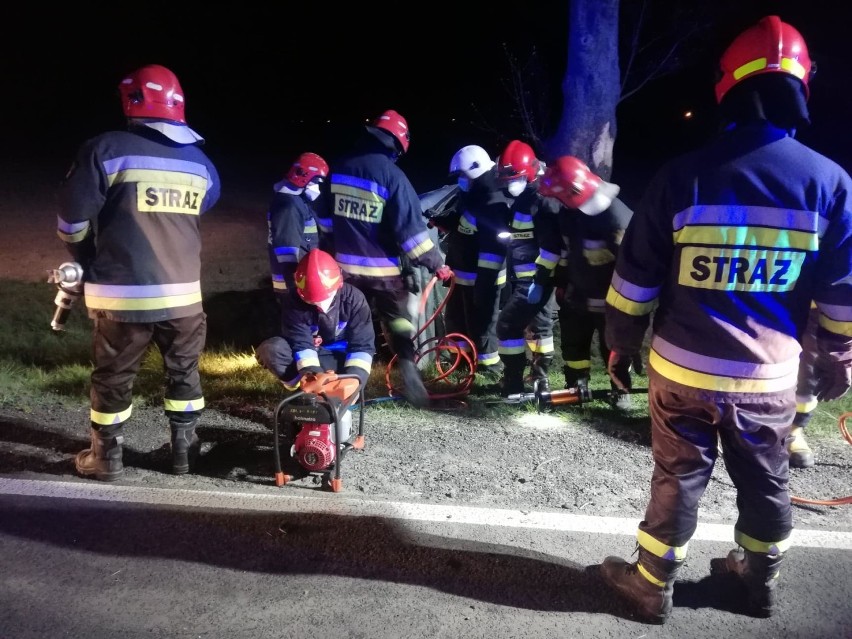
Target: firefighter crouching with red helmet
x=325, y=325
x=728, y=247
x=130, y=213
x=592, y=220
x=378, y=230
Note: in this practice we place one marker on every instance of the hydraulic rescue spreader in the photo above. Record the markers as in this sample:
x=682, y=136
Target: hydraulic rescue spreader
x=546, y=399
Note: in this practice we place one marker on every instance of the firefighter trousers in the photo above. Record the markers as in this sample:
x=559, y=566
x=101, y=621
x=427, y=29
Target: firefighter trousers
x=118, y=350
x=521, y=321
x=472, y=311
x=577, y=330
x=685, y=435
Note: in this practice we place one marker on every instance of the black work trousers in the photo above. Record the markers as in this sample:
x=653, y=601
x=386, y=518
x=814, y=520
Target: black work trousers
x=577, y=331
x=118, y=350
x=685, y=435
x=389, y=304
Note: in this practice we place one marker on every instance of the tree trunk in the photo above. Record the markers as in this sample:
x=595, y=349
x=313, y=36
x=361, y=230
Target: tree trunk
x=591, y=86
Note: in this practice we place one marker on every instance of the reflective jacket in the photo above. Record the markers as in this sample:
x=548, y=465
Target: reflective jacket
x=292, y=233
x=535, y=244
x=589, y=248
x=475, y=249
x=130, y=211
x=377, y=218
x=730, y=244
x=347, y=326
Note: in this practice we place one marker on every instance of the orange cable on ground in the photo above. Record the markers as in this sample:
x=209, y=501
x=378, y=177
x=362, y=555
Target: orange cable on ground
x=465, y=356
x=831, y=502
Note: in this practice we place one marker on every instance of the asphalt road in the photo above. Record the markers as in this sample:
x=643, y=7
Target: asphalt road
x=90, y=560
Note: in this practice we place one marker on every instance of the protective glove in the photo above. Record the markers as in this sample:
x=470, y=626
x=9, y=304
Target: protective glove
x=444, y=273
x=618, y=368
x=534, y=293
x=833, y=379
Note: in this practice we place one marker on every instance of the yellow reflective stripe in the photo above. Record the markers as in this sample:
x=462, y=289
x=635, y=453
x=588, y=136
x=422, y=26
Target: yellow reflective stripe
x=793, y=66
x=359, y=363
x=765, y=547
x=279, y=285
x=374, y=271
x=169, y=176
x=525, y=274
x=543, y=345
x=487, y=359
x=747, y=236
x=141, y=304
x=790, y=65
x=749, y=67
x=501, y=278
x=579, y=364
x=644, y=572
x=424, y=247
x=183, y=405
x=73, y=238
x=658, y=548
x=401, y=325
x=835, y=326
x=719, y=383
x=617, y=300
x=307, y=361
x=106, y=419
x=598, y=257
x=808, y=406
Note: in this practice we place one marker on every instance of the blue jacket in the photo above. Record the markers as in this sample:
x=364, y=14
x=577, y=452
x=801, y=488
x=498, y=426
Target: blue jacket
x=727, y=248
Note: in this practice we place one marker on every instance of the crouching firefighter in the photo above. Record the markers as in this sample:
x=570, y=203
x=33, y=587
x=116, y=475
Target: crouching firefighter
x=326, y=325
x=130, y=212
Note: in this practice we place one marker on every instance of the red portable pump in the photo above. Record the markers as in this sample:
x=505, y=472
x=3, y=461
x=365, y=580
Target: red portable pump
x=316, y=423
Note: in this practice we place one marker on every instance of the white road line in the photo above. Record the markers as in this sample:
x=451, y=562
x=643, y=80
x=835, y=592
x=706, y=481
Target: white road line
x=349, y=507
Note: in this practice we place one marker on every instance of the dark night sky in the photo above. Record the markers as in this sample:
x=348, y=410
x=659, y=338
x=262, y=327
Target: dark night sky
x=269, y=82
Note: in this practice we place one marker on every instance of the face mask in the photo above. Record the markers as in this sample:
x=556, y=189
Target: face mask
x=312, y=192
x=464, y=184
x=325, y=304
x=516, y=187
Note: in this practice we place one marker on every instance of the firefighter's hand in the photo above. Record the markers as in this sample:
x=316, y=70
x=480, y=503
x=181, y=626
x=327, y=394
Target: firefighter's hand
x=444, y=273
x=833, y=380
x=534, y=293
x=618, y=368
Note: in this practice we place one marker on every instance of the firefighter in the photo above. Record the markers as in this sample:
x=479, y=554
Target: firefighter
x=533, y=244
x=325, y=325
x=475, y=254
x=380, y=234
x=801, y=455
x=592, y=220
x=130, y=212
x=728, y=247
x=292, y=223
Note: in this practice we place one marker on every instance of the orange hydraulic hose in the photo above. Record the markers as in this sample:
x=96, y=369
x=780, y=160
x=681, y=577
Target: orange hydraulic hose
x=841, y=500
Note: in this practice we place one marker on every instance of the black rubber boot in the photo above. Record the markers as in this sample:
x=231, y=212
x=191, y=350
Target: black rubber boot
x=512, y=382
x=575, y=376
x=759, y=573
x=103, y=458
x=539, y=369
x=414, y=390
x=185, y=447
x=648, y=588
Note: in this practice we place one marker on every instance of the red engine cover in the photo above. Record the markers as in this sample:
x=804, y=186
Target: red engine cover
x=314, y=446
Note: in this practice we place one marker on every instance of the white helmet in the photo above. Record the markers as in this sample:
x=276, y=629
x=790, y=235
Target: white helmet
x=470, y=161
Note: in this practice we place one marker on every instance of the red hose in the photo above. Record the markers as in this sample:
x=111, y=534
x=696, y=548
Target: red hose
x=841, y=500
x=462, y=366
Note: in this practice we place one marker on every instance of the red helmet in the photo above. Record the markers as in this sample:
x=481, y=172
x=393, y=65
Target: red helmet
x=152, y=92
x=317, y=276
x=770, y=46
x=570, y=181
x=395, y=124
x=518, y=160
x=306, y=167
